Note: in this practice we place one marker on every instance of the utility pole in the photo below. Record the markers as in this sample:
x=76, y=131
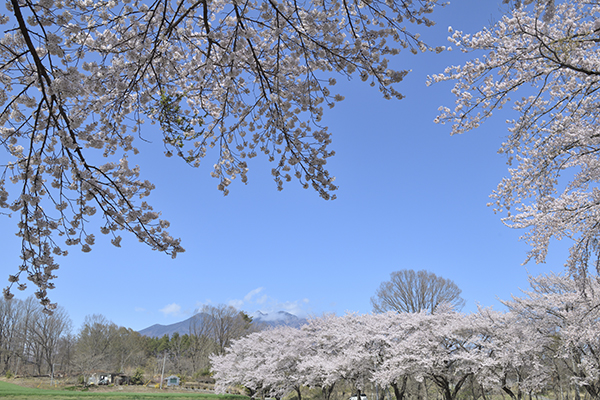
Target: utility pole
x=162, y=374
x=52, y=375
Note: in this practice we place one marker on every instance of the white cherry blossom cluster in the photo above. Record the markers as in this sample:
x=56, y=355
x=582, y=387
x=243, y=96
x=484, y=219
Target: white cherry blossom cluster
x=544, y=61
x=547, y=335
x=567, y=312
x=79, y=79
x=387, y=349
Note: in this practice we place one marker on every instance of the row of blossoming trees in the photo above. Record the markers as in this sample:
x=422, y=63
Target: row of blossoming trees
x=547, y=340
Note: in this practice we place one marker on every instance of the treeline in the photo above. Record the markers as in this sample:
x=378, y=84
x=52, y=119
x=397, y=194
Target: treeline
x=35, y=343
x=547, y=343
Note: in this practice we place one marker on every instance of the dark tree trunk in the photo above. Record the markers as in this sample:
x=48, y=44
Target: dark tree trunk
x=400, y=388
x=327, y=391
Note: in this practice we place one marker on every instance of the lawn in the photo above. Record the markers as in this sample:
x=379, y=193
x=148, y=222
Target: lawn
x=12, y=391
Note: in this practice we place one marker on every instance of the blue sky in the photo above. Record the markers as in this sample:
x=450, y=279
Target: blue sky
x=410, y=197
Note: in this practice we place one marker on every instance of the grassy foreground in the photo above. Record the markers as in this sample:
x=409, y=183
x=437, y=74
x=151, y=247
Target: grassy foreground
x=12, y=391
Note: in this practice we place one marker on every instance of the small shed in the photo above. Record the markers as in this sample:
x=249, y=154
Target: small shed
x=172, y=380
x=106, y=378
x=101, y=378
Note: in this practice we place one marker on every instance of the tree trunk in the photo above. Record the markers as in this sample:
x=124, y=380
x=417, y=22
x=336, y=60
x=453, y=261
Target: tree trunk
x=420, y=391
x=483, y=393
x=400, y=388
x=327, y=391
x=475, y=397
x=510, y=393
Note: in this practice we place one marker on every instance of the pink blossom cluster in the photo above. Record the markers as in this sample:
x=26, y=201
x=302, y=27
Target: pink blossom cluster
x=550, y=331
x=80, y=79
x=542, y=60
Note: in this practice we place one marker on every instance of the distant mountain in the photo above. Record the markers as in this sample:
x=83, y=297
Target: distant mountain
x=280, y=318
x=183, y=327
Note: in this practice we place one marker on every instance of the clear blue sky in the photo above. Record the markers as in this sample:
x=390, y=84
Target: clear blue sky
x=410, y=197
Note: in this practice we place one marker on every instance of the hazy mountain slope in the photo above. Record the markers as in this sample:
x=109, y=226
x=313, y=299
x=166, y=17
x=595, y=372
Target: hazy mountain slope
x=182, y=327
x=269, y=319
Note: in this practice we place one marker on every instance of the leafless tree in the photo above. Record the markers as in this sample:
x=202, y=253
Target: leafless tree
x=10, y=315
x=46, y=333
x=225, y=323
x=93, y=343
x=126, y=349
x=414, y=291
x=201, y=344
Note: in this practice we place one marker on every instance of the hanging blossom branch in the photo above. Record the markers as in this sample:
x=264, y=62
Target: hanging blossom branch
x=550, y=54
x=80, y=78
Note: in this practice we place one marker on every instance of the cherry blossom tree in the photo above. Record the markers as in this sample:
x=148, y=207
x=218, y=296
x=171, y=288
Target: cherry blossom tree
x=438, y=348
x=344, y=347
x=388, y=349
x=567, y=311
x=508, y=351
x=543, y=60
x=266, y=363
x=238, y=366
x=224, y=371
x=81, y=78
x=395, y=329
x=282, y=350
x=354, y=348
x=319, y=364
x=325, y=351
x=547, y=338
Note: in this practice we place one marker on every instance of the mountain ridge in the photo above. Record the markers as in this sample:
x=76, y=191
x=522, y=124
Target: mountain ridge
x=279, y=318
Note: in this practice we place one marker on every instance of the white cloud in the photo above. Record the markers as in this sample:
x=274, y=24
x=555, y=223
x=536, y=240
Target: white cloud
x=171, y=309
x=200, y=304
x=236, y=303
x=253, y=293
x=248, y=299
x=295, y=307
x=257, y=300
x=269, y=305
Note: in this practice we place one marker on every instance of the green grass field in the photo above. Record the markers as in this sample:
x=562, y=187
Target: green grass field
x=12, y=391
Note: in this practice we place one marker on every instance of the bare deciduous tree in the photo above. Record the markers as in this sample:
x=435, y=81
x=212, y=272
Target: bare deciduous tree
x=11, y=313
x=411, y=291
x=93, y=343
x=47, y=332
x=225, y=323
x=201, y=345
